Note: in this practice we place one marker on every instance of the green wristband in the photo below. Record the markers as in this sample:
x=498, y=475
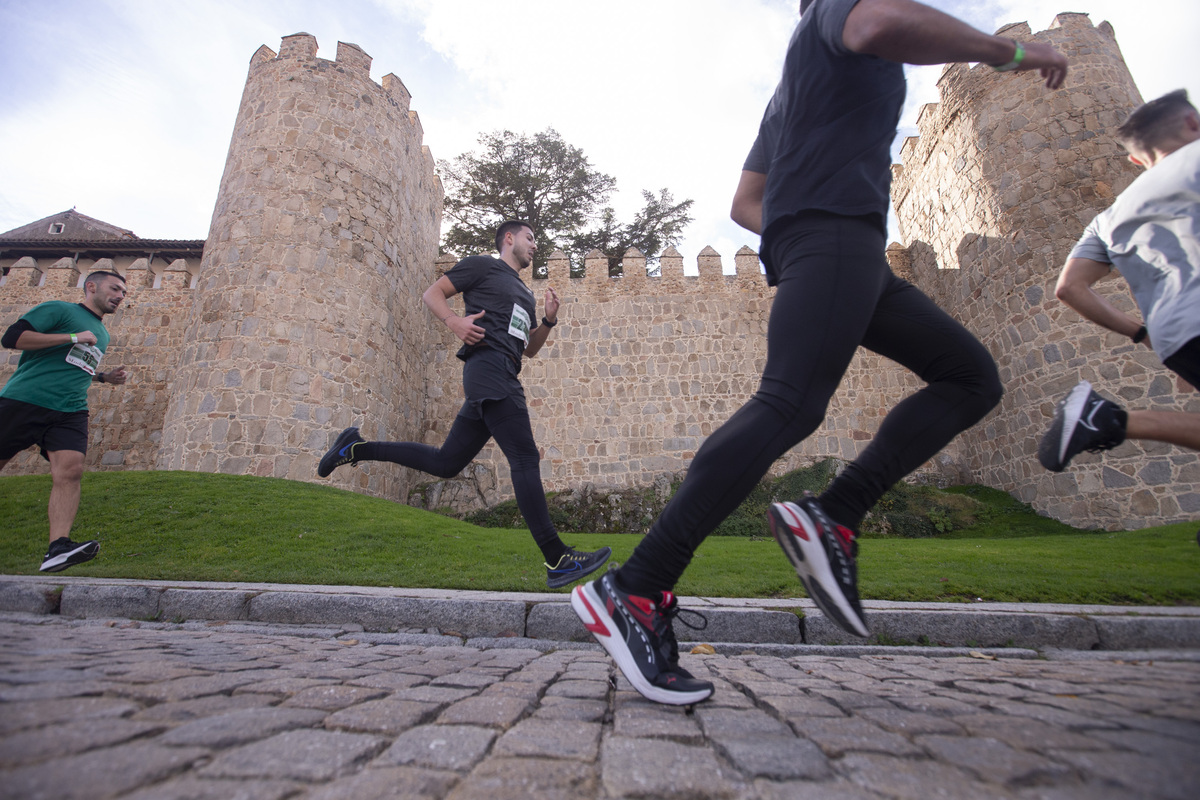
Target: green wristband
x=1018, y=57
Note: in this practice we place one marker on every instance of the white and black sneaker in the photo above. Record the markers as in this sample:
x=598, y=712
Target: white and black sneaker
x=1083, y=421
x=64, y=553
x=824, y=555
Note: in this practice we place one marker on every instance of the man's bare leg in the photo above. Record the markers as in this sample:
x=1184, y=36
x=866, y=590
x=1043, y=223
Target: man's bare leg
x=1174, y=427
x=66, y=470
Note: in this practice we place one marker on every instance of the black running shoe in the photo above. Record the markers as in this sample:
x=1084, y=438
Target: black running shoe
x=574, y=565
x=64, y=553
x=637, y=633
x=823, y=554
x=1083, y=421
x=342, y=452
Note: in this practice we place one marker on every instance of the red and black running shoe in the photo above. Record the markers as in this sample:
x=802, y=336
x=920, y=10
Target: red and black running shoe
x=637, y=633
x=823, y=554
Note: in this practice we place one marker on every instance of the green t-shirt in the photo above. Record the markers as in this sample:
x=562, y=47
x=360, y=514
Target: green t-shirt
x=58, y=377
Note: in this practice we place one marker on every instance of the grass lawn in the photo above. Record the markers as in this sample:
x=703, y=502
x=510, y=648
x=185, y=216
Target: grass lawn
x=196, y=526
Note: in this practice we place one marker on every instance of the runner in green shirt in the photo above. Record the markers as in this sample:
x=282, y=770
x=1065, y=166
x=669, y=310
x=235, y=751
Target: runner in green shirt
x=45, y=401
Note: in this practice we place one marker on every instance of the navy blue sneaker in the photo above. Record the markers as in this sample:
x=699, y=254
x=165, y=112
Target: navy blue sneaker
x=574, y=565
x=637, y=633
x=823, y=554
x=342, y=452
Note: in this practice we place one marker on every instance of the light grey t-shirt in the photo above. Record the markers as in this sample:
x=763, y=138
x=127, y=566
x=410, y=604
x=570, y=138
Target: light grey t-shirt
x=1152, y=235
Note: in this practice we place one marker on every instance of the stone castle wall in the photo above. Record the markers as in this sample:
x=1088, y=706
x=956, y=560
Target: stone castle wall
x=305, y=315
x=990, y=198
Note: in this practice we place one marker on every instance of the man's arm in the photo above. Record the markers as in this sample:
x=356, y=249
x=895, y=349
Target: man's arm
x=464, y=328
x=542, y=332
x=1075, y=289
x=748, y=201
x=22, y=336
x=913, y=33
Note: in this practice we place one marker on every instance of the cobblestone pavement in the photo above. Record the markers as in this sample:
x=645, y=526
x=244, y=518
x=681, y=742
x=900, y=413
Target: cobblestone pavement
x=95, y=709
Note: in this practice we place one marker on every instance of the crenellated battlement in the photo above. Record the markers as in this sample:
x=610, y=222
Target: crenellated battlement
x=151, y=272
x=298, y=56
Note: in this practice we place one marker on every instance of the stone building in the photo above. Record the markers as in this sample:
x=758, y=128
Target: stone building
x=304, y=313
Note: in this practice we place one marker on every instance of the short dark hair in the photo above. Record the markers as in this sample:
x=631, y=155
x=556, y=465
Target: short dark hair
x=102, y=273
x=1155, y=122
x=510, y=225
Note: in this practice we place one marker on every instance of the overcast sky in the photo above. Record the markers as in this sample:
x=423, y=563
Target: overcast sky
x=124, y=108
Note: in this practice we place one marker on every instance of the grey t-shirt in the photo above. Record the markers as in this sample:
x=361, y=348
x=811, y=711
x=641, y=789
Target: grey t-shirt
x=825, y=139
x=1151, y=234
x=488, y=284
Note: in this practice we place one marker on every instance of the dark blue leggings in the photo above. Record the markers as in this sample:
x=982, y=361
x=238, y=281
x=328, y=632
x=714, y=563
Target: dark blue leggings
x=507, y=422
x=836, y=292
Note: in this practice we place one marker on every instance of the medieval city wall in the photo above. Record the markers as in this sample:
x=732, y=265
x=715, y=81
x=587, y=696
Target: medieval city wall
x=989, y=198
x=305, y=313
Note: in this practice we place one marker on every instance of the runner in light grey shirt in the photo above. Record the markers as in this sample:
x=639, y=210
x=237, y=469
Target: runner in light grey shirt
x=1151, y=234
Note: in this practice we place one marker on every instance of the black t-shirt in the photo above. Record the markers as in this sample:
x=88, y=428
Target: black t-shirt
x=488, y=284
x=825, y=139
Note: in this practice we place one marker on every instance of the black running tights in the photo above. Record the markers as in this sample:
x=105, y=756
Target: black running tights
x=835, y=293
x=508, y=423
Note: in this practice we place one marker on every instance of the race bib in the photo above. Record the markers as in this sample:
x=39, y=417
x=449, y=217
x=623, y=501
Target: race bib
x=518, y=325
x=85, y=356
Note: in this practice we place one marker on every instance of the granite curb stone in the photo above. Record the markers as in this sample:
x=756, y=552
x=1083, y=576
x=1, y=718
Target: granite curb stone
x=31, y=598
x=450, y=617
x=983, y=628
x=128, y=602
x=429, y=617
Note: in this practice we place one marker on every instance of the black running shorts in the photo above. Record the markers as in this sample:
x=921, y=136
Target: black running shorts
x=24, y=424
x=1185, y=362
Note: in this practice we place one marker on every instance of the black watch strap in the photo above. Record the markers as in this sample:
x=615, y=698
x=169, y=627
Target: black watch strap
x=1141, y=334
x=548, y=323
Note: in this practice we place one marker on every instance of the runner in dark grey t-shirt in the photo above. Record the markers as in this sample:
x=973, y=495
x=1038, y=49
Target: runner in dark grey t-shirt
x=498, y=329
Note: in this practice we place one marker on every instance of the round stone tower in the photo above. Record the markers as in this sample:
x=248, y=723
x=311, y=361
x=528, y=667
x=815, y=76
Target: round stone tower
x=990, y=198
x=307, y=314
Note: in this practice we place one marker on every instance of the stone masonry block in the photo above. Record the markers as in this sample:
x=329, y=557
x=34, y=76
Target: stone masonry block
x=750, y=626
x=961, y=630
x=184, y=604
x=1136, y=633
x=452, y=617
x=556, y=622
x=126, y=602
x=29, y=598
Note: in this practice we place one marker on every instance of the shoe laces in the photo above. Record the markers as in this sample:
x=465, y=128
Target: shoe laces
x=571, y=555
x=670, y=611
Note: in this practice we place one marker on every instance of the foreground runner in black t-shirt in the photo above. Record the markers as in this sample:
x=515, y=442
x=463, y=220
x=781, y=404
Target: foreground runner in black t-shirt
x=815, y=186
x=497, y=330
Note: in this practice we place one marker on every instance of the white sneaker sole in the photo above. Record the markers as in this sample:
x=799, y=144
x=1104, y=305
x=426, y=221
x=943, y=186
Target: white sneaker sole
x=1072, y=412
x=591, y=612
x=800, y=543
